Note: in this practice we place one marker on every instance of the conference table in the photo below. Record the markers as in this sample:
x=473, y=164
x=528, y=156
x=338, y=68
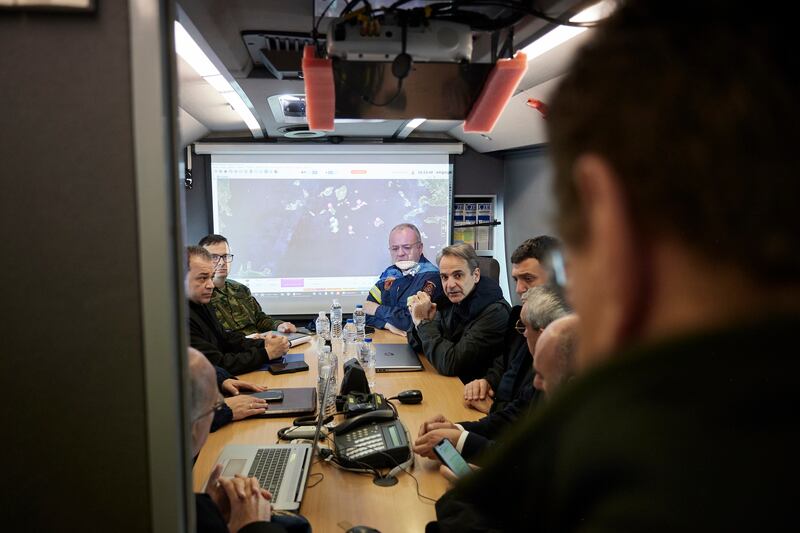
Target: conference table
x=342, y=496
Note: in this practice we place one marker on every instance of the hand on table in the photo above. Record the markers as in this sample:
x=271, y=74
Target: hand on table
x=248, y=502
x=286, y=327
x=438, y=421
x=424, y=444
x=276, y=345
x=482, y=406
x=233, y=386
x=478, y=389
x=217, y=493
x=245, y=405
x=393, y=329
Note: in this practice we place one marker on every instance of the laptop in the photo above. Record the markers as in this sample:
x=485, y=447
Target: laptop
x=282, y=469
x=396, y=358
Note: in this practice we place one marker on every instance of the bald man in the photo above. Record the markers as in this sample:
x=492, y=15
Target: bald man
x=554, y=350
x=246, y=504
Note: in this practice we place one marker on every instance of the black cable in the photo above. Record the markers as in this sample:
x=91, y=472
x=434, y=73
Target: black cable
x=315, y=29
x=321, y=477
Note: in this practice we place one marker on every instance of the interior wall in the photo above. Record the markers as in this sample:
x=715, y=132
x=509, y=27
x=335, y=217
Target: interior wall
x=477, y=173
x=529, y=201
x=75, y=423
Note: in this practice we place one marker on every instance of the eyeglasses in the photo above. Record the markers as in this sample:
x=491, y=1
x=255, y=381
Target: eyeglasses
x=520, y=327
x=218, y=405
x=406, y=247
x=227, y=258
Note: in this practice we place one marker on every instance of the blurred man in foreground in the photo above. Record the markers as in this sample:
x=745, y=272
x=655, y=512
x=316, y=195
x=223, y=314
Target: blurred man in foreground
x=683, y=250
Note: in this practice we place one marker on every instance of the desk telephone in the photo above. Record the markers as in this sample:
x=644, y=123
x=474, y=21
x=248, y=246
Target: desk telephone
x=376, y=439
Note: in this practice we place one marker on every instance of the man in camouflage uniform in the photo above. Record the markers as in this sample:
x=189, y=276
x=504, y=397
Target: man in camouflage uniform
x=387, y=303
x=236, y=308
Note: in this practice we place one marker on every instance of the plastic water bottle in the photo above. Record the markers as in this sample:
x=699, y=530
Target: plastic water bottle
x=323, y=326
x=360, y=318
x=327, y=363
x=366, y=357
x=336, y=319
x=350, y=338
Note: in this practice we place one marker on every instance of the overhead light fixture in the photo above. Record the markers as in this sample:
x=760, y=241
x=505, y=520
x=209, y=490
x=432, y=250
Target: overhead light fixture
x=561, y=34
x=190, y=51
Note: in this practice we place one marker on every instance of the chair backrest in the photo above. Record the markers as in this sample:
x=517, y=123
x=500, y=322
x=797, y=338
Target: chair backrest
x=489, y=267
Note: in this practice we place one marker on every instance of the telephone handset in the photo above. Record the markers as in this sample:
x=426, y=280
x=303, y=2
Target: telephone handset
x=381, y=415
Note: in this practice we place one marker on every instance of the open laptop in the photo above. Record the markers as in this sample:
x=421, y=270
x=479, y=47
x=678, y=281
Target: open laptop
x=280, y=468
x=396, y=358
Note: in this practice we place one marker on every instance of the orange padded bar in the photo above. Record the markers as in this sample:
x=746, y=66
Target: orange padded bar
x=320, y=94
x=496, y=93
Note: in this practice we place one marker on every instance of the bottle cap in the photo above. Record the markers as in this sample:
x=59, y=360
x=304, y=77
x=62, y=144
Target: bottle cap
x=359, y=306
x=322, y=314
x=349, y=321
x=367, y=339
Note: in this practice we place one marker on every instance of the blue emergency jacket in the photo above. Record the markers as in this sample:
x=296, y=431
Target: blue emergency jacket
x=392, y=290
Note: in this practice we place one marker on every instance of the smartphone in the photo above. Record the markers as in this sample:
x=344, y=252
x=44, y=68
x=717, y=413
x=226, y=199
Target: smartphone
x=286, y=368
x=272, y=395
x=448, y=455
x=275, y=395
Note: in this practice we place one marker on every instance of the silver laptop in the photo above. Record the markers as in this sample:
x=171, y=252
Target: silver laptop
x=280, y=468
x=396, y=358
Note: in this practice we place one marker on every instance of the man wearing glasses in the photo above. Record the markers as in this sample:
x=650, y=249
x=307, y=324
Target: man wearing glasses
x=512, y=367
x=554, y=357
x=234, y=305
x=224, y=506
x=410, y=272
x=512, y=371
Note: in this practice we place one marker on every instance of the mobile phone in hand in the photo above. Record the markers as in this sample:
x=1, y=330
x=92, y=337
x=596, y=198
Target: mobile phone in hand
x=450, y=457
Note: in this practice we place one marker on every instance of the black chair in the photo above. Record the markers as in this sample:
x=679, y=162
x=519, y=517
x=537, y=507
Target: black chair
x=489, y=267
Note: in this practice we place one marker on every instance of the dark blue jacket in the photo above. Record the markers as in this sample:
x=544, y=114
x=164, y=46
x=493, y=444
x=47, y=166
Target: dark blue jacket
x=392, y=290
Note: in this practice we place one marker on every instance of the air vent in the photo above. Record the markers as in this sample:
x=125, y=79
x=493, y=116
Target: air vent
x=281, y=53
x=300, y=132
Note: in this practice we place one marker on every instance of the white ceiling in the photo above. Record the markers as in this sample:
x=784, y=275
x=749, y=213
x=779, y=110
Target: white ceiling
x=220, y=23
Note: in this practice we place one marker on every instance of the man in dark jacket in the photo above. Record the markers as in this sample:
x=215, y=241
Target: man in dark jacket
x=228, y=350
x=683, y=246
x=554, y=353
x=512, y=371
x=462, y=338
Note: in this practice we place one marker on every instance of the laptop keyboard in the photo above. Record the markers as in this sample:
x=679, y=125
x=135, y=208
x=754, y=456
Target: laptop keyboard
x=268, y=467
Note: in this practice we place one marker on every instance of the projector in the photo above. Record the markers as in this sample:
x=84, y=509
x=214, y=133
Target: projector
x=429, y=41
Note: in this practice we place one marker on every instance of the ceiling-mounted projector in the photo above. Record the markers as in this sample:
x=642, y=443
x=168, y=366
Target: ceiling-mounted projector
x=399, y=64
x=431, y=40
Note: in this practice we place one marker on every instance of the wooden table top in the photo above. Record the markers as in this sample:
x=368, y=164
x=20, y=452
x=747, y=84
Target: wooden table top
x=348, y=496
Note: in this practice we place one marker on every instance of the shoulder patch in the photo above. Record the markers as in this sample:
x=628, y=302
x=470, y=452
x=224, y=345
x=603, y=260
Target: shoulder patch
x=429, y=288
x=387, y=284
